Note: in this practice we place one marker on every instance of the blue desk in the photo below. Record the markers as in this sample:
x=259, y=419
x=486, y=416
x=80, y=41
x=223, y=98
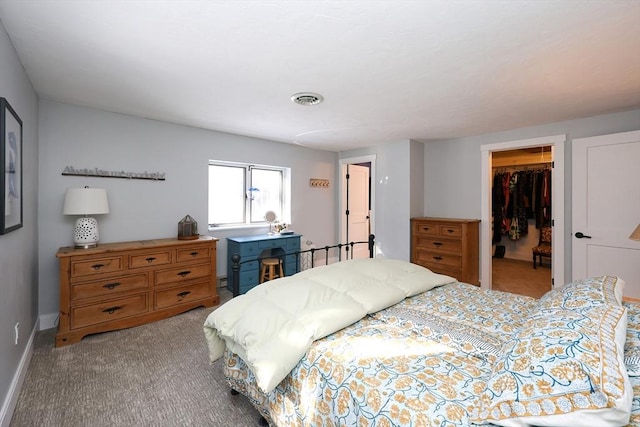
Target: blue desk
x=253, y=248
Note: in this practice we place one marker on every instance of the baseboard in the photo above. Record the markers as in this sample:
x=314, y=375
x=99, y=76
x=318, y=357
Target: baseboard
x=48, y=321
x=18, y=379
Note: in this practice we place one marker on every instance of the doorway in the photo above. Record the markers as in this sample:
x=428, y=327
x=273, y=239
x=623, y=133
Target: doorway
x=556, y=144
x=357, y=201
x=521, y=215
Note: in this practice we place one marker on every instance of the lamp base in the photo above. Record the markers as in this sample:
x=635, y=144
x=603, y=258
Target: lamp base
x=86, y=234
x=87, y=246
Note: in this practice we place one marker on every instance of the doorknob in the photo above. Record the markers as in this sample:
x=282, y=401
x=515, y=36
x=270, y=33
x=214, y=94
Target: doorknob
x=580, y=235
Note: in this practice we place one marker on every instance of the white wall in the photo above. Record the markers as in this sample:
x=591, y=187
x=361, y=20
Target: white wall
x=416, y=180
x=140, y=209
x=395, y=183
x=453, y=167
x=18, y=249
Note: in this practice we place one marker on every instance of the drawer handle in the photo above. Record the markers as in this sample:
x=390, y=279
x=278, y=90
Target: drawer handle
x=112, y=310
x=183, y=294
x=425, y=228
x=112, y=286
x=150, y=259
x=450, y=230
x=438, y=244
x=184, y=273
x=97, y=266
x=194, y=254
x=437, y=258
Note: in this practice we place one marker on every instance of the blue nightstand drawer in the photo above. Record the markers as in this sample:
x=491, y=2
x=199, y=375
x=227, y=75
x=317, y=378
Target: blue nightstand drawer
x=249, y=266
x=249, y=250
x=271, y=243
x=293, y=244
x=249, y=278
x=290, y=268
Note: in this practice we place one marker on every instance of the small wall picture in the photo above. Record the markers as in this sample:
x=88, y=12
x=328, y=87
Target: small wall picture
x=10, y=168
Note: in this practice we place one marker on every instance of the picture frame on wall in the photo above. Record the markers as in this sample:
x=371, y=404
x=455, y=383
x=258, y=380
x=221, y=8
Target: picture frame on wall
x=10, y=168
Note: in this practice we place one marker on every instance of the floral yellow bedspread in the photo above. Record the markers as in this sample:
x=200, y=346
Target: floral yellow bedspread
x=422, y=362
x=632, y=358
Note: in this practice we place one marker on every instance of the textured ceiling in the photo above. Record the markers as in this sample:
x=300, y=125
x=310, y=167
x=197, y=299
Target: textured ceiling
x=389, y=70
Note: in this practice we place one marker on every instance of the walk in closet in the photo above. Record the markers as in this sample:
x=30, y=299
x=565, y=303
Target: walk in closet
x=521, y=206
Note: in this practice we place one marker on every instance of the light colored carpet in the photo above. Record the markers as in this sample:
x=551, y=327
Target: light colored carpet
x=519, y=277
x=152, y=375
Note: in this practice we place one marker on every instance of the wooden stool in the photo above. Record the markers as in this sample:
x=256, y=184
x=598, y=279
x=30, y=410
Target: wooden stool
x=271, y=269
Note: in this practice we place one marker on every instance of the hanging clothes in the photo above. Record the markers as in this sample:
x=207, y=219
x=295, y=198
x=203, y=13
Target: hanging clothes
x=517, y=197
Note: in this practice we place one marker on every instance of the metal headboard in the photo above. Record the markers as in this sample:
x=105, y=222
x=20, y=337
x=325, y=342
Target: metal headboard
x=348, y=248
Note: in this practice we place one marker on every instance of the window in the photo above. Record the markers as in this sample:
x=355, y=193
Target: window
x=240, y=194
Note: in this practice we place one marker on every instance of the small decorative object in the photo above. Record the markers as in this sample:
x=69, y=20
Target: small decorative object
x=86, y=201
x=10, y=168
x=101, y=173
x=188, y=229
x=270, y=217
x=317, y=182
x=280, y=227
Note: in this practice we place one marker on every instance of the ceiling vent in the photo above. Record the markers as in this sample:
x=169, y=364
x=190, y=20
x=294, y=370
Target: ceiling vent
x=307, y=98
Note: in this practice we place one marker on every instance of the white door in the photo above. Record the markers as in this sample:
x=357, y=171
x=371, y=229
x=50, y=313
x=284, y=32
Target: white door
x=358, y=208
x=606, y=208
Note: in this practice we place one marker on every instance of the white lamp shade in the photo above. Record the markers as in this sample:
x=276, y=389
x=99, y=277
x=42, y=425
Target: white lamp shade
x=86, y=201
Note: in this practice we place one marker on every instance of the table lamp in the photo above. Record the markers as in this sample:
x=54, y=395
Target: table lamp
x=86, y=201
x=636, y=233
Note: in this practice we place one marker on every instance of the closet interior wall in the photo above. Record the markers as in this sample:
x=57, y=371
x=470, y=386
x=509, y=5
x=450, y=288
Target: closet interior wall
x=515, y=161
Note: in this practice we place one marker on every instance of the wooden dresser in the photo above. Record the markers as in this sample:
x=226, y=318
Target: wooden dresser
x=447, y=246
x=120, y=285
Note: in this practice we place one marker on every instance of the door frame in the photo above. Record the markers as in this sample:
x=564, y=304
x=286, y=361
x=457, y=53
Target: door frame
x=557, y=143
x=341, y=208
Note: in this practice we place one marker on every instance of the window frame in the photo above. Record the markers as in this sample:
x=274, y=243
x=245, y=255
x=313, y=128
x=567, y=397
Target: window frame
x=285, y=191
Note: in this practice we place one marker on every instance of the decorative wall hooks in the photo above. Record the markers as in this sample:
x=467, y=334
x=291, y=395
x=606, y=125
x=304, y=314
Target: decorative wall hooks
x=317, y=182
x=101, y=173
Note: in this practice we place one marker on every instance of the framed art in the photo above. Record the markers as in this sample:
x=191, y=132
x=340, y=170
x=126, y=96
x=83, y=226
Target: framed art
x=10, y=168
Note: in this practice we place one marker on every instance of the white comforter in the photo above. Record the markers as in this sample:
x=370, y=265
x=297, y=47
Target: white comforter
x=272, y=326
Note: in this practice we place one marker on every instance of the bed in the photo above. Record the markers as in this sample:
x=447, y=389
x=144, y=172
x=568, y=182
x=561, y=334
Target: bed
x=317, y=349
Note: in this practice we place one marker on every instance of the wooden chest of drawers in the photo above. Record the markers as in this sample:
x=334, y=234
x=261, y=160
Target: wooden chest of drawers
x=447, y=246
x=120, y=285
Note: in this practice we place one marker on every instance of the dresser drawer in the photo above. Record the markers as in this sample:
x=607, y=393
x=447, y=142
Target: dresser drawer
x=181, y=295
x=186, y=272
x=249, y=278
x=150, y=259
x=249, y=266
x=453, y=230
x=83, y=267
x=193, y=254
x=108, y=311
x=268, y=244
x=110, y=286
x=439, y=245
x=293, y=244
x=438, y=258
x=426, y=229
x=246, y=250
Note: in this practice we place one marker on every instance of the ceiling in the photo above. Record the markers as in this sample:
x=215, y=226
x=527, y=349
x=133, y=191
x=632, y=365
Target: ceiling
x=388, y=70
